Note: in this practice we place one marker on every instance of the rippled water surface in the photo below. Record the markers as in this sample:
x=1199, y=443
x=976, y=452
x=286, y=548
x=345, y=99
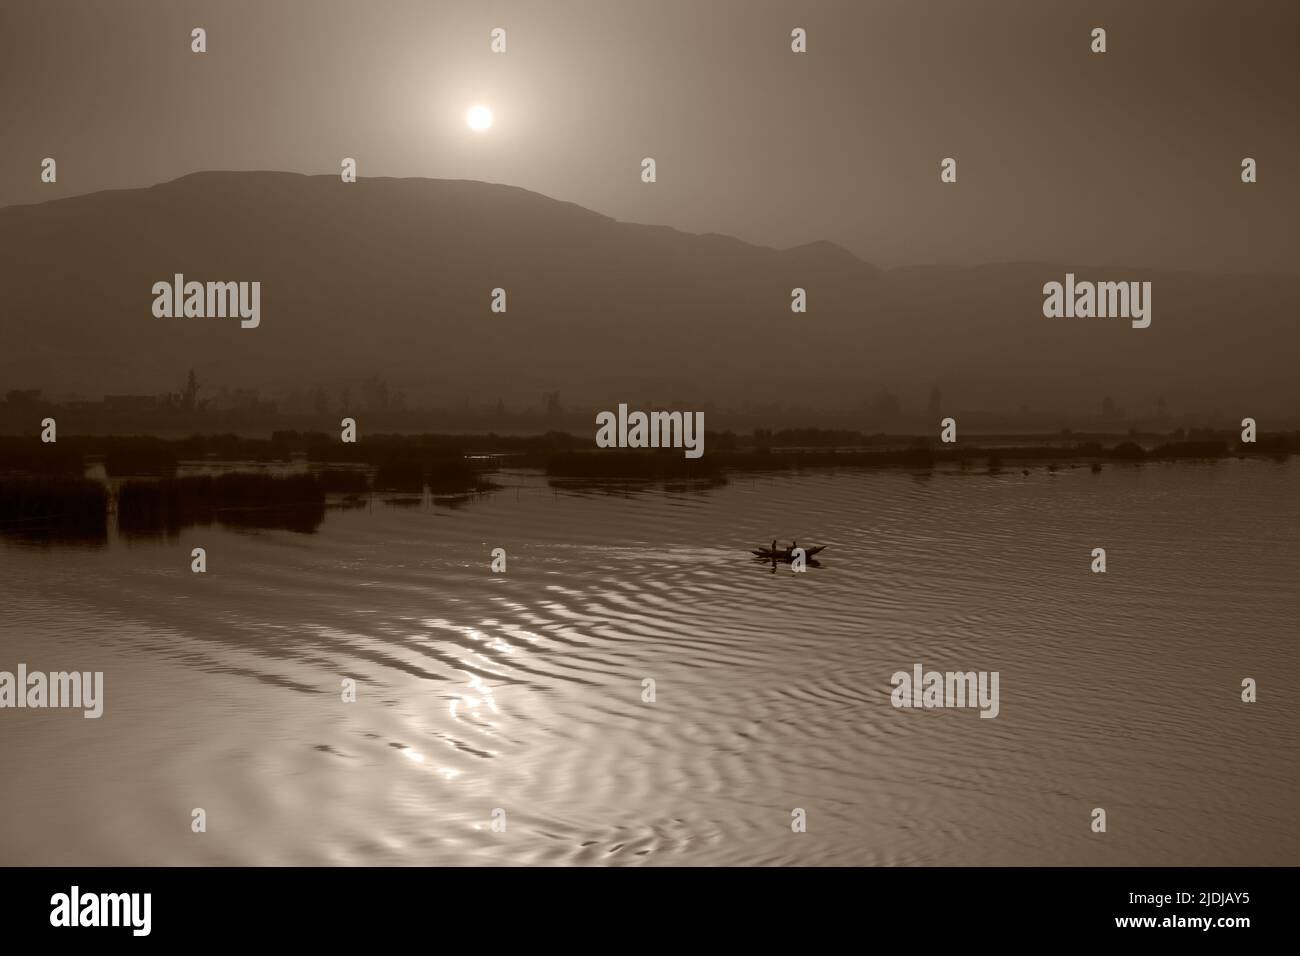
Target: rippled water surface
x=523, y=691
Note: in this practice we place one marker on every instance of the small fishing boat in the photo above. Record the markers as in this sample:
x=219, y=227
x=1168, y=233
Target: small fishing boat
x=785, y=554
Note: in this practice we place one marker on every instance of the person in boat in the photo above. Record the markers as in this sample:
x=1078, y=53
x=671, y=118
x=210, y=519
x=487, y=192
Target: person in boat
x=774, y=545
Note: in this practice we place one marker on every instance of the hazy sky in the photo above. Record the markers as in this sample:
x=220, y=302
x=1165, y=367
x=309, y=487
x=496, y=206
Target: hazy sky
x=1131, y=157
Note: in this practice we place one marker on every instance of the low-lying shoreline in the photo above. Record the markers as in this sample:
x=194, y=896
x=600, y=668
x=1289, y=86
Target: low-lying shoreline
x=68, y=490
x=453, y=460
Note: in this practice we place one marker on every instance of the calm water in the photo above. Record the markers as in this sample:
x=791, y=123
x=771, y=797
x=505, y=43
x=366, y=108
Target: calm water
x=523, y=691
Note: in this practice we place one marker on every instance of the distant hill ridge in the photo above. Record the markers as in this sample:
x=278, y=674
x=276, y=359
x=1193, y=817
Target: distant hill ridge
x=393, y=278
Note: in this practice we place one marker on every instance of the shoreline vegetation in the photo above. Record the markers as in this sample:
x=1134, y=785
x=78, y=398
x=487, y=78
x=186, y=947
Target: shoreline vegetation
x=54, y=492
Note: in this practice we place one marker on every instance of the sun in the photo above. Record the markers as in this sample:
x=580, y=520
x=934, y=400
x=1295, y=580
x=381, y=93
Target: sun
x=479, y=117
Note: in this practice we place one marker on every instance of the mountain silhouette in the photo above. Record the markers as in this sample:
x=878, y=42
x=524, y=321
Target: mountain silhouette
x=394, y=277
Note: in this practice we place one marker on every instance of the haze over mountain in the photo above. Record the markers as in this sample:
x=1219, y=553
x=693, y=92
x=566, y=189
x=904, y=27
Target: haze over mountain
x=394, y=277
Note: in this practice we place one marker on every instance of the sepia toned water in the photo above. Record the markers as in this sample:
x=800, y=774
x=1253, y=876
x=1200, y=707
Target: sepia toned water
x=523, y=691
